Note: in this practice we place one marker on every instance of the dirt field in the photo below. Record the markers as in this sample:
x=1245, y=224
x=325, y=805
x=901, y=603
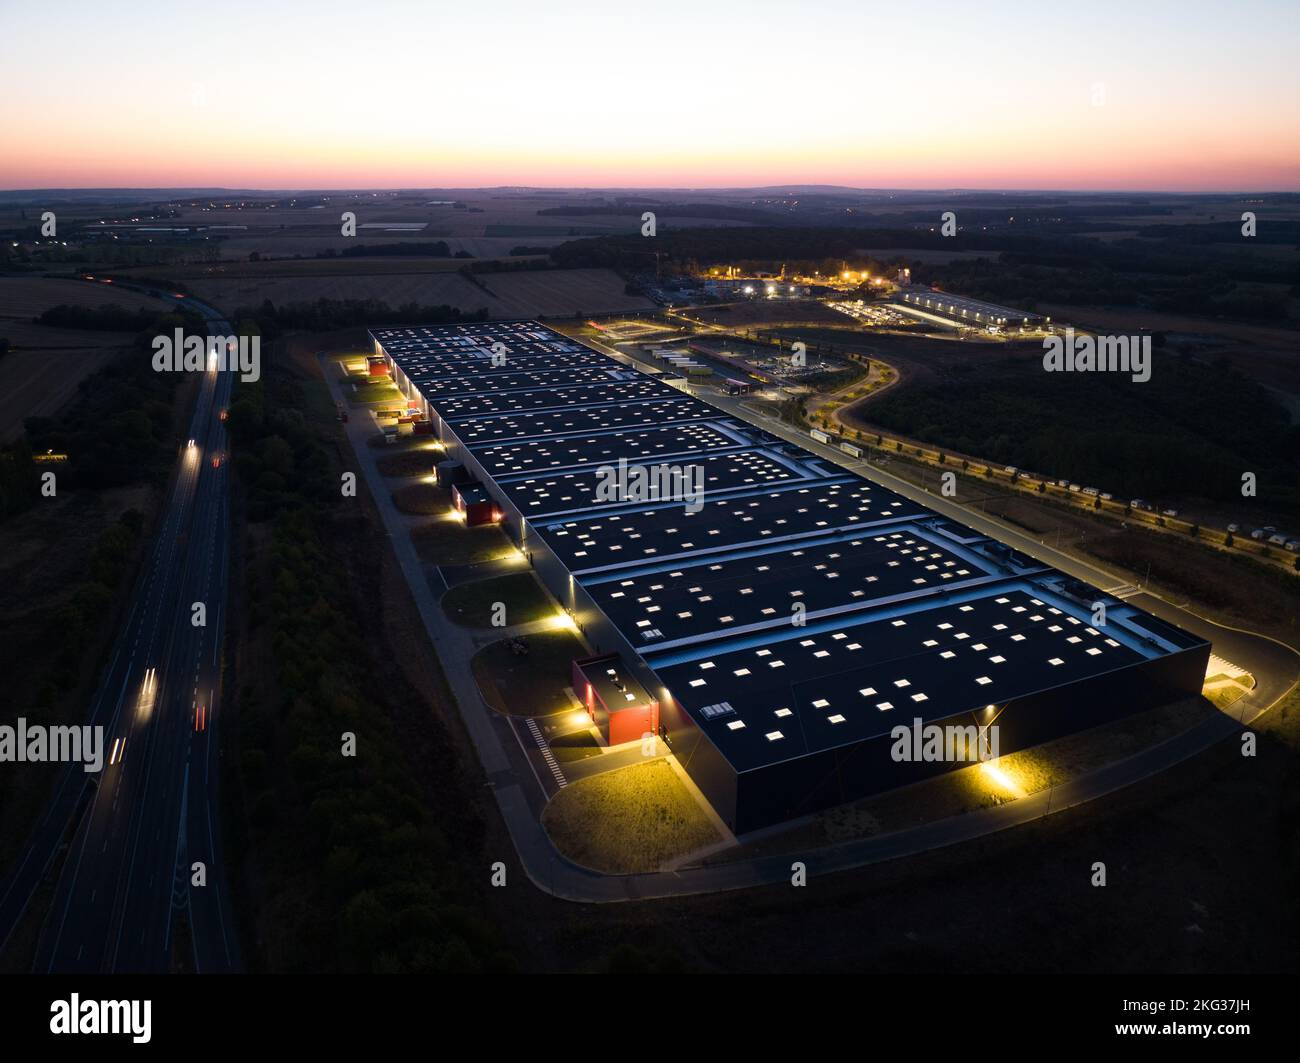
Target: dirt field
x=22, y=298
x=504, y=221
x=549, y=293
x=43, y=370
x=1268, y=353
x=769, y=312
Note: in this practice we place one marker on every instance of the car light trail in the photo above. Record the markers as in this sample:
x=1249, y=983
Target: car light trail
x=148, y=694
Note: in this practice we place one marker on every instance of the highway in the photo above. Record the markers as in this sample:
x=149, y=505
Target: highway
x=125, y=884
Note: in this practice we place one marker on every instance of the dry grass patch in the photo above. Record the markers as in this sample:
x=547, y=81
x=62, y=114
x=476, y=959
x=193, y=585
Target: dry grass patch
x=472, y=604
x=446, y=541
x=532, y=683
x=422, y=500
x=628, y=820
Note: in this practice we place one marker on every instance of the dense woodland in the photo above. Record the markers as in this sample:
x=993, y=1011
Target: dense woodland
x=360, y=861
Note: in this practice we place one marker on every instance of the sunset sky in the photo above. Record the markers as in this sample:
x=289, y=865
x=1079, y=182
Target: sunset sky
x=1192, y=96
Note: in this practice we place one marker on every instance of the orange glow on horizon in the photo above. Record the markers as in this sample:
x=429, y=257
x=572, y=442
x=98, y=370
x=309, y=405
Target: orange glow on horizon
x=688, y=96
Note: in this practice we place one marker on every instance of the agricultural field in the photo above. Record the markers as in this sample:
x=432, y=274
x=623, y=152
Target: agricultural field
x=547, y=293
x=1265, y=352
x=23, y=298
x=926, y=254
x=45, y=364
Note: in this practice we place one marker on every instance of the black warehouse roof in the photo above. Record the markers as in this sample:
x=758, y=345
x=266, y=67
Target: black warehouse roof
x=797, y=606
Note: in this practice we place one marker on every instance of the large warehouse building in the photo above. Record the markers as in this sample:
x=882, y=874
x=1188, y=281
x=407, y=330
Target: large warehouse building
x=974, y=313
x=775, y=629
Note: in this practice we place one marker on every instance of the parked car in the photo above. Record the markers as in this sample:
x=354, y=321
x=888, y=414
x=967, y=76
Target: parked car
x=1075, y=488
x=1258, y=533
x=1091, y=491
x=1233, y=528
x=1277, y=540
x=1106, y=496
x=1293, y=545
x=1169, y=512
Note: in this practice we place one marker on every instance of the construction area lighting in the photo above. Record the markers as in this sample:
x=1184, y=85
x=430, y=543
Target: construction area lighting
x=563, y=622
x=580, y=719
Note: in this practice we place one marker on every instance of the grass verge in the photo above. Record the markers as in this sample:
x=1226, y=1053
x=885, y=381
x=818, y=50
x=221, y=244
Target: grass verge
x=628, y=820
